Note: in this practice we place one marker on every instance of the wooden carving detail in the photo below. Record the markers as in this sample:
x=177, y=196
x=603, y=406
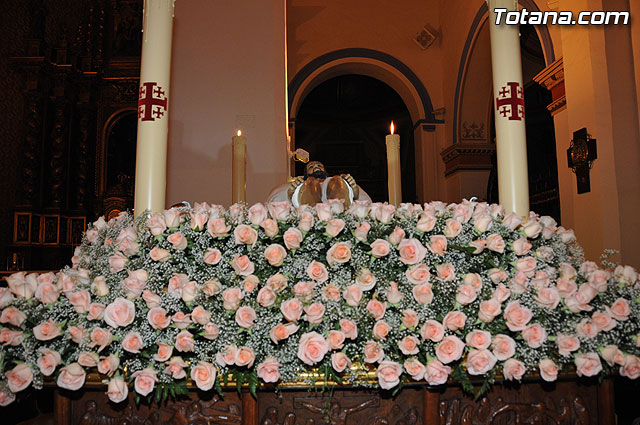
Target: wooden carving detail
x=31, y=152
x=496, y=411
x=182, y=412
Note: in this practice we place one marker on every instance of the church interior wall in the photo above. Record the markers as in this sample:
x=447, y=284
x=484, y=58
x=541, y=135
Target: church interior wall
x=206, y=110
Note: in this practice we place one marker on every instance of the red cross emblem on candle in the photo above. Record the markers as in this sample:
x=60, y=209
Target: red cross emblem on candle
x=510, y=101
x=152, y=102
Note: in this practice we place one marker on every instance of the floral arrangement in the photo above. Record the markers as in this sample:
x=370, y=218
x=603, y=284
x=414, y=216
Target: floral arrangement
x=422, y=293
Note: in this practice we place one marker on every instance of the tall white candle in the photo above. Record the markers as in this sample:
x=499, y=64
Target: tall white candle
x=393, y=167
x=153, y=106
x=239, y=168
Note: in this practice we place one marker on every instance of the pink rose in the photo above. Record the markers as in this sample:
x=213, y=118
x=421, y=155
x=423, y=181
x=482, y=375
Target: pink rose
x=586, y=329
x=446, y=272
x=279, y=210
x=478, y=339
x=452, y=228
x=211, y=331
x=436, y=373
x=397, y=236
x=71, y=377
x=231, y=298
x=503, y=347
x=603, y=321
x=361, y=231
x=513, y=369
x=88, y=359
x=482, y=223
x=565, y=287
x=275, y=254
x=340, y=362
x=306, y=221
x=178, y=241
x=625, y=275
x=394, y=296
x=119, y=313
x=48, y=361
x=312, y=348
x=117, y=262
x=181, y=320
x=145, y=381
x=6, y=397
x=384, y=212
x=184, y=342
x=242, y=265
x=599, y=279
x=245, y=316
x=388, y=374
x=281, y=332
x=376, y=308
x=204, y=375
x=381, y=329
x=612, y=355
x=157, y=224
x=96, y=311
x=21, y=285
x=478, y=246
x=489, y=309
x=212, y=256
x=336, y=340
x=100, y=338
x=108, y=365
x=117, y=390
x=175, y=368
x=535, y=335
x=409, y=318
x=519, y=284
x=366, y=279
x=497, y=275
x=532, y=228
x=512, y=220
x=198, y=220
x=269, y=370
x=516, y=316
x=466, y=294
x=449, y=349
x=349, y=328
x=359, y=209
x=501, y=293
x=567, y=344
x=411, y=251
x=212, y=287
x=426, y=222
x=423, y=293
x=352, y=295
x=495, y=243
x=317, y=271
x=270, y=228
x=172, y=217
x=474, y=280
x=164, y=352
x=334, y=227
x=339, y=253
x=373, y=353
x=245, y=235
x=480, y=362
x=521, y=246
x=46, y=331
x=160, y=255
x=218, y=227
x=588, y=364
x=291, y=309
x=631, y=367
x=80, y=301
x=266, y=297
x=314, y=313
x=46, y=293
x=77, y=333
x=12, y=316
x=132, y=342
x=526, y=265
x=432, y=330
x=409, y=345
x=415, y=369
x=454, y=320
x=19, y=377
x=157, y=318
x=548, y=298
x=380, y=248
x=418, y=274
x=548, y=370
x=200, y=316
x=619, y=310
x=257, y=214
x=135, y=283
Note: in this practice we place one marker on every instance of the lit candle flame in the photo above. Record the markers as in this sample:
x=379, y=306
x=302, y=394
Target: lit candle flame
x=239, y=133
x=392, y=127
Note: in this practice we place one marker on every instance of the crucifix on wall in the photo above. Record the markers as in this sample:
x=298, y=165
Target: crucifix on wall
x=580, y=156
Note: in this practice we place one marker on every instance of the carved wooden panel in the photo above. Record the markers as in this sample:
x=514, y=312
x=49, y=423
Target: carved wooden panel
x=565, y=403
x=93, y=408
x=342, y=407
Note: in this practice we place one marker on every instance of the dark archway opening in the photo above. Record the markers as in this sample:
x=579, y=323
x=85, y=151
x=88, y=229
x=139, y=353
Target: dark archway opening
x=120, y=164
x=343, y=122
x=544, y=195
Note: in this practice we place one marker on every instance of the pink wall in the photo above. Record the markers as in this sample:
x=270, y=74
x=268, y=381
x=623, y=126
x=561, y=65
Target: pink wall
x=228, y=72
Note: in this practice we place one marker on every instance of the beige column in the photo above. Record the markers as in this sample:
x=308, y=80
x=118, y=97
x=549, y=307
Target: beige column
x=508, y=96
x=153, y=106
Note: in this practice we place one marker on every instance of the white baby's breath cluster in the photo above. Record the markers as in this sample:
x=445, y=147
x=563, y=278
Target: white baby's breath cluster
x=427, y=293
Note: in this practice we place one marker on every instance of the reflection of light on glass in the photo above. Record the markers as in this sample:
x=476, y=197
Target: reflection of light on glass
x=239, y=133
x=392, y=127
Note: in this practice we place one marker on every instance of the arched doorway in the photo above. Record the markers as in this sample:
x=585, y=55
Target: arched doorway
x=342, y=123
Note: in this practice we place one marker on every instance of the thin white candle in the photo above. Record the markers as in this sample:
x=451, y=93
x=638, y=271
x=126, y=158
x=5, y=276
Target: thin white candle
x=393, y=167
x=239, y=168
